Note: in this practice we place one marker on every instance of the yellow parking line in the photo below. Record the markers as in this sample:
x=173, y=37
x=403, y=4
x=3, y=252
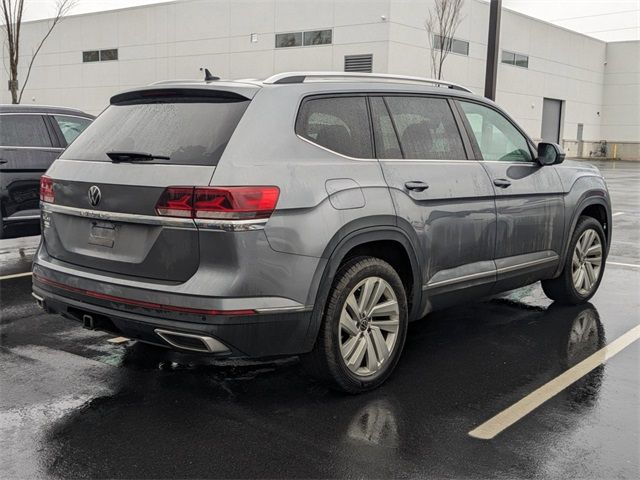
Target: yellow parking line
x=515, y=412
x=617, y=213
x=15, y=275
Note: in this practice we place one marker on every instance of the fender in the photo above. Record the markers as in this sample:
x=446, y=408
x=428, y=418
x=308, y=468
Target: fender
x=587, y=199
x=348, y=237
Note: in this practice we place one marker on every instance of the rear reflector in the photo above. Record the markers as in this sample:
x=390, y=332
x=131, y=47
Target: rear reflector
x=218, y=203
x=46, y=189
x=140, y=303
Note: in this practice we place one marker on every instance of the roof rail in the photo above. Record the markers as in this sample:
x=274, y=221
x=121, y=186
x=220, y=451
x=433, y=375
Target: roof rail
x=301, y=77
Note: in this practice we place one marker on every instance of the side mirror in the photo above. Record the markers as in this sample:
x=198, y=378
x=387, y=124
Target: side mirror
x=550, y=153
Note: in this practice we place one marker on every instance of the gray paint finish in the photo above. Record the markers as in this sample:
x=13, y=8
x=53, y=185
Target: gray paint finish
x=465, y=237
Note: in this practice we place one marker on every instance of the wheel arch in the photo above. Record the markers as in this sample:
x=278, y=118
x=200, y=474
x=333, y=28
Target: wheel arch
x=591, y=205
x=365, y=241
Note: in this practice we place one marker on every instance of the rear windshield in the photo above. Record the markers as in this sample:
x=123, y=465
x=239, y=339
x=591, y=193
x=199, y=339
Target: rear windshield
x=190, y=131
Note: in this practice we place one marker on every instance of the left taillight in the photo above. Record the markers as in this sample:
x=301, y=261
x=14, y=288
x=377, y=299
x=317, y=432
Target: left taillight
x=46, y=190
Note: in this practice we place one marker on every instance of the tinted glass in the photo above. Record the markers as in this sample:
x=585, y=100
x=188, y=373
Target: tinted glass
x=340, y=124
x=426, y=128
x=189, y=133
x=284, y=40
x=387, y=145
x=451, y=44
x=106, y=55
x=91, y=56
x=24, y=131
x=71, y=127
x=497, y=138
x=508, y=57
x=317, y=37
x=522, y=60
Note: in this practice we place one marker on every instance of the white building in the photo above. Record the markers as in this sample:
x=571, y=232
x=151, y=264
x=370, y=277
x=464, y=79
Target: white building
x=590, y=86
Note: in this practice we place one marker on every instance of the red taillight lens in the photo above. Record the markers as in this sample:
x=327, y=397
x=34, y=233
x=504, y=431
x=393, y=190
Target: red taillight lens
x=219, y=203
x=46, y=189
x=176, y=202
x=235, y=203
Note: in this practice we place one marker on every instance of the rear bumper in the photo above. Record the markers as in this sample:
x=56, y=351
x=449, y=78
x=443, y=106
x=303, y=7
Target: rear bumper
x=254, y=336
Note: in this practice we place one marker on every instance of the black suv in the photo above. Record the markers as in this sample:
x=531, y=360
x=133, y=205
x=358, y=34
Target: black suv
x=31, y=138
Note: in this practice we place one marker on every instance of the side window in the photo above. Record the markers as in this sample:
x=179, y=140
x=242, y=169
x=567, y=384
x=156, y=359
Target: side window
x=340, y=124
x=497, y=138
x=71, y=126
x=24, y=131
x=426, y=128
x=387, y=145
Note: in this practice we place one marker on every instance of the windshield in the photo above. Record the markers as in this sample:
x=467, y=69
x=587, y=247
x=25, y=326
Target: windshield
x=189, y=131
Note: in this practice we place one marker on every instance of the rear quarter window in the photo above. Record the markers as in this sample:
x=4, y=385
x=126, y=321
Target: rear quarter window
x=24, y=130
x=190, y=131
x=340, y=124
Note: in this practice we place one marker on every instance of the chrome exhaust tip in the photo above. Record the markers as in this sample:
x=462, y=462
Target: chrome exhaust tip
x=192, y=342
x=39, y=300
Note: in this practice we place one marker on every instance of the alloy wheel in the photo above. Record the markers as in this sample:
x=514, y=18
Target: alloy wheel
x=586, y=262
x=369, y=325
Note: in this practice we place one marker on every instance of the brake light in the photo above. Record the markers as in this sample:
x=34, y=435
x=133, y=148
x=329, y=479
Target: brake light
x=218, y=203
x=46, y=189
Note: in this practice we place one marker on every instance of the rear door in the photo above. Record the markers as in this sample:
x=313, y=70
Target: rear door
x=529, y=197
x=445, y=198
x=27, y=149
x=103, y=213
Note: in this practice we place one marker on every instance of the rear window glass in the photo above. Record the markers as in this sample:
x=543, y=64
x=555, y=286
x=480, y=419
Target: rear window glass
x=23, y=130
x=189, y=131
x=340, y=124
x=426, y=128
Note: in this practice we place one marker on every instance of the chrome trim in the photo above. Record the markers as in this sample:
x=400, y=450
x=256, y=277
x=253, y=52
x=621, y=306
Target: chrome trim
x=328, y=76
x=211, y=344
x=20, y=218
x=118, y=217
x=292, y=309
x=488, y=273
x=540, y=261
x=22, y=147
x=462, y=278
x=231, y=225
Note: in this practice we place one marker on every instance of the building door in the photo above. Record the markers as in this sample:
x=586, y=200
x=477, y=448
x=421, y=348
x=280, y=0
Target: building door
x=551, y=114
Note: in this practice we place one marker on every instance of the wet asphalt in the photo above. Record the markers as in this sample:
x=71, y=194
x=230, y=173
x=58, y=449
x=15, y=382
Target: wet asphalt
x=73, y=405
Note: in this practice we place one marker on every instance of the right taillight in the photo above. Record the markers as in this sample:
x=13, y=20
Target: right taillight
x=219, y=203
x=46, y=190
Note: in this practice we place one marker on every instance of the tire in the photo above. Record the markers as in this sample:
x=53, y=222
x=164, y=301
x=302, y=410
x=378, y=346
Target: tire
x=372, y=343
x=573, y=287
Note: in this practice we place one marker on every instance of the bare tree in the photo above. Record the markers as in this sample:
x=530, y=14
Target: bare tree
x=441, y=24
x=11, y=11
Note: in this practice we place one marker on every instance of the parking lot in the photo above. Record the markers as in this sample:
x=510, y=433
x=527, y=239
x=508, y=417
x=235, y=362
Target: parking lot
x=76, y=403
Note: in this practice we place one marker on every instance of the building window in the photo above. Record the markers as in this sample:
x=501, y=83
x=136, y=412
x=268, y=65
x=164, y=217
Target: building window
x=454, y=45
x=299, y=39
x=91, y=56
x=516, y=59
x=358, y=63
x=108, y=55
x=317, y=37
x=286, y=40
x=100, y=55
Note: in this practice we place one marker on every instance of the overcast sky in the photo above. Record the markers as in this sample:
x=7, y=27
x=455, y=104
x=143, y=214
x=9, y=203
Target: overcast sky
x=610, y=20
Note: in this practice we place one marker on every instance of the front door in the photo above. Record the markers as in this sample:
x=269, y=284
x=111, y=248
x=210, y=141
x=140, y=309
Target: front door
x=444, y=198
x=529, y=198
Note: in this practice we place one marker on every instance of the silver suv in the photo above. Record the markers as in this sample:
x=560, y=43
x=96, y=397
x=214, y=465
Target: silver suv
x=311, y=214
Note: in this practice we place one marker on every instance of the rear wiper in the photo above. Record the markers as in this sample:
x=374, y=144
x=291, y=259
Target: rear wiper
x=117, y=157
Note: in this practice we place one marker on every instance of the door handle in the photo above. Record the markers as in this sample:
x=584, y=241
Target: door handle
x=502, y=182
x=416, y=186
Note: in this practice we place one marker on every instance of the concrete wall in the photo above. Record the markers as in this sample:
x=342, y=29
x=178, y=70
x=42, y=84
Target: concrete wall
x=175, y=39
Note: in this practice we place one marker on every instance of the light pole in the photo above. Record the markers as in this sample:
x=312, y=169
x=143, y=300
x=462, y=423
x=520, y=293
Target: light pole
x=493, y=49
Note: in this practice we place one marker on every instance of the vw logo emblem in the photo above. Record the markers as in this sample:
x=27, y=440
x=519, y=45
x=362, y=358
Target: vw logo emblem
x=94, y=195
